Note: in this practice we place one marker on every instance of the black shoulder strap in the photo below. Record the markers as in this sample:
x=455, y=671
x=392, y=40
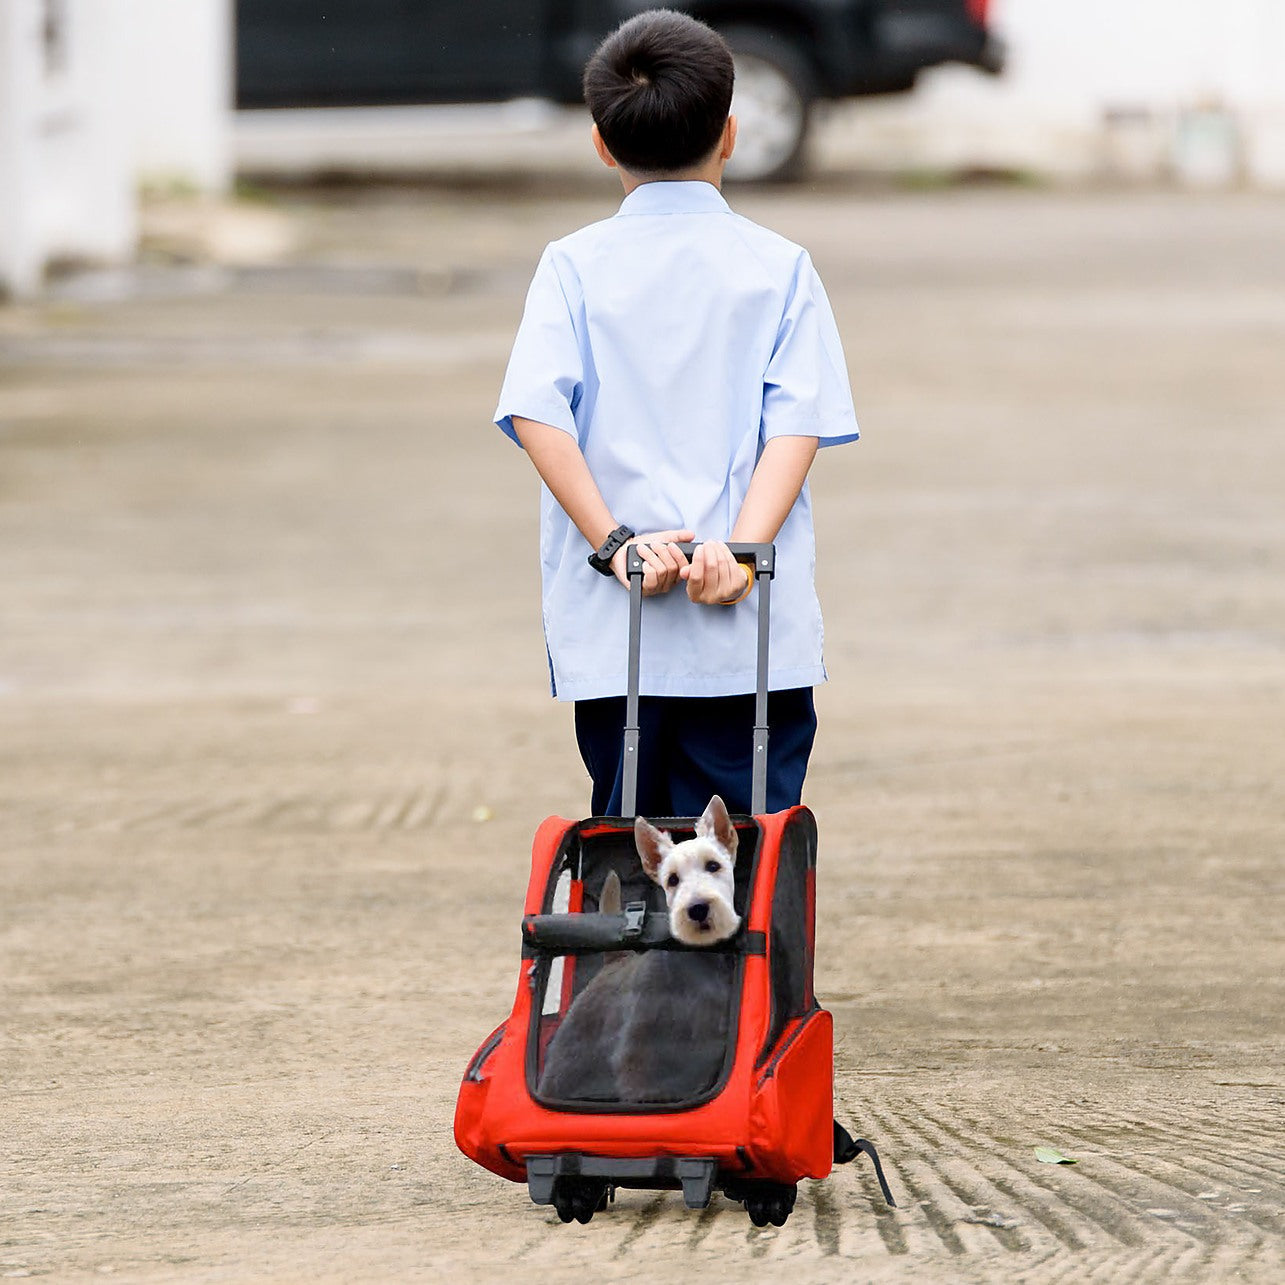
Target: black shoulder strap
x=847, y=1148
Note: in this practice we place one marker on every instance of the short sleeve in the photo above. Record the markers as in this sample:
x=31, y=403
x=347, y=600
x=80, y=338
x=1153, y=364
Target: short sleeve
x=545, y=374
x=805, y=388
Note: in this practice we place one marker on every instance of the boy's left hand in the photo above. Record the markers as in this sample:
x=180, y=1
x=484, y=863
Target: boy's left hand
x=713, y=576
x=663, y=560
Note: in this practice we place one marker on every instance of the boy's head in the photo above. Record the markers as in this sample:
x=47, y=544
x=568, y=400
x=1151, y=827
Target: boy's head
x=659, y=89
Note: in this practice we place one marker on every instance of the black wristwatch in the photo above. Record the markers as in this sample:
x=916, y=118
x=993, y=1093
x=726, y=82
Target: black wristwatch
x=601, y=560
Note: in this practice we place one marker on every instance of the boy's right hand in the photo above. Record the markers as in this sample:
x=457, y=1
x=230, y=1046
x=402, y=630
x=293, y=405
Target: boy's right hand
x=715, y=577
x=664, y=560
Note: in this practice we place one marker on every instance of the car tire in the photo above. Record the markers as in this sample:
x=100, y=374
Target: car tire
x=772, y=102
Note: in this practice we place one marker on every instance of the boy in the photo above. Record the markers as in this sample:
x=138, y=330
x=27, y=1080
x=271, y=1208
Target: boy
x=675, y=370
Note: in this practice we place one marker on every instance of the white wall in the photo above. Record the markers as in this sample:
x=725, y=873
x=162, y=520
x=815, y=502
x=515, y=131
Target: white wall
x=1141, y=88
x=181, y=91
x=65, y=175
x=96, y=97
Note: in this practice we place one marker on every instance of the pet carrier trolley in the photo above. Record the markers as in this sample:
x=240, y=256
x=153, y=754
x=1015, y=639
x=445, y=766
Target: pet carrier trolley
x=752, y=1119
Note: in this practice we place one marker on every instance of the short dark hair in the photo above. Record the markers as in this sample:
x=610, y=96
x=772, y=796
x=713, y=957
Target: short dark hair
x=659, y=89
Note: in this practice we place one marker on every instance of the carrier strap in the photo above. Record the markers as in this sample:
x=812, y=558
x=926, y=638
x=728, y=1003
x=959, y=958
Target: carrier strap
x=847, y=1148
x=587, y=933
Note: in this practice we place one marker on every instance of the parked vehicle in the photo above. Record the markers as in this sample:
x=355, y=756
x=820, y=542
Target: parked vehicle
x=790, y=55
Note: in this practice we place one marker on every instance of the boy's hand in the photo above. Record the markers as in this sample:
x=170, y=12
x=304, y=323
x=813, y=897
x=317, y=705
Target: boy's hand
x=714, y=576
x=665, y=562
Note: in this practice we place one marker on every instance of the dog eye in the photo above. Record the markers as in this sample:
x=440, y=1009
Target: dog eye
x=672, y=881
x=713, y=867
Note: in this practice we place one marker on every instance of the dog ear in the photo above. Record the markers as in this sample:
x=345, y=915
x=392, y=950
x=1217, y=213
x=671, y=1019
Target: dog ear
x=717, y=825
x=609, y=898
x=653, y=846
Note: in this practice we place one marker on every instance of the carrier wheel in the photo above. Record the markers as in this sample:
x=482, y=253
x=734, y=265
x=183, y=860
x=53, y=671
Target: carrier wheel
x=771, y=1203
x=579, y=1198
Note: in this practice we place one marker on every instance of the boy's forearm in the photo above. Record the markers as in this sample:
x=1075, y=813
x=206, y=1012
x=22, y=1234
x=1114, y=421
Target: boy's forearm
x=778, y=478
x=558, y=459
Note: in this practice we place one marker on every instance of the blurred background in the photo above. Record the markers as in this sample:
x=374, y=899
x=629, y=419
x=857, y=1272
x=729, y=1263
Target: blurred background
x=100, y=97
x=275, y=730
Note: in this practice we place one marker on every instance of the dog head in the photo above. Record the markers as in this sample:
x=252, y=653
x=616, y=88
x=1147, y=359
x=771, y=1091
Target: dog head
x=695, y=874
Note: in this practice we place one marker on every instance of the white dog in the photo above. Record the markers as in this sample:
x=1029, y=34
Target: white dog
x=695, y=874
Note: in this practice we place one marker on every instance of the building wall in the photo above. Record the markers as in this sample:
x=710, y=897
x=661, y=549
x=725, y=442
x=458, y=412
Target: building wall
x=65, y=183
x=97, y=96
x=1138, y=88
x=1162, y=52
x=180, y=83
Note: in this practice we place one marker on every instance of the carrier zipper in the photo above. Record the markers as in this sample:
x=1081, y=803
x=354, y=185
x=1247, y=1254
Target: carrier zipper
x=474, y=1072
x=783, y=1047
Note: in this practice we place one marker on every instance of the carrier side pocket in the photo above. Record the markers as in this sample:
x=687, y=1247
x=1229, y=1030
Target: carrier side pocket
x=792, y=1117
x=472, y=1134
x=488, y=1046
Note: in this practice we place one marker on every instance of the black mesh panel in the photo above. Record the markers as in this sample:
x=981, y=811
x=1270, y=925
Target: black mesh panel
x=648, y=1028
x=630, y=1030
x=791, y=941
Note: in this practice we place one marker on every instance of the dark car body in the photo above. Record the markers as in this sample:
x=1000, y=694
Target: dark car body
x=330, y=53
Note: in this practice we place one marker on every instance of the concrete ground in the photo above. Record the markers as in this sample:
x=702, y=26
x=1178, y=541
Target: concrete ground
x=276, y=738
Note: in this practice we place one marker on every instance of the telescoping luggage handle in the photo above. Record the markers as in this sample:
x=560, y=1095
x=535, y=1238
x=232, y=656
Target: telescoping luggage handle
x=762, y=557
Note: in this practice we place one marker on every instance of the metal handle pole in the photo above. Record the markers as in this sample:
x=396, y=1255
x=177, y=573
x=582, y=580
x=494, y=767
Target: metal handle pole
x=763, y=558
x=629, y=783
x=758, y=785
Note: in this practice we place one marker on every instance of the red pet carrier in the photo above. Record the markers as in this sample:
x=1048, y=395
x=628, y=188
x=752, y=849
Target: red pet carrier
x=741, y=1099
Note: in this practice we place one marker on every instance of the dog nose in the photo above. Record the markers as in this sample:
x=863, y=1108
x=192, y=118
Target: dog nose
x=699, y=911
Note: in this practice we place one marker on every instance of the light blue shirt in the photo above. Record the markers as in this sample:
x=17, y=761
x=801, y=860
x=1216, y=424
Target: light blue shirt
x=671, y=341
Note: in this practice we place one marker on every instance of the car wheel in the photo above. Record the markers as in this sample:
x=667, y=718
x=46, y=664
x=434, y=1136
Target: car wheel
x=772, y=102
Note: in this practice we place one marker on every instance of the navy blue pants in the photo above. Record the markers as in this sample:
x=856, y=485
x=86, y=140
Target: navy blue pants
x=691, y=747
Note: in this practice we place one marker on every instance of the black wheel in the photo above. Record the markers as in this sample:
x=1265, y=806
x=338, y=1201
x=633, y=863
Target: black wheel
x=771, y=1203
x=772, y=102
x=564, y=1200
x=578, y=1199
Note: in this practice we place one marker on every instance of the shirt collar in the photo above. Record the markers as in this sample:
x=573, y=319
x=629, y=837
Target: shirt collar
x=667, y=196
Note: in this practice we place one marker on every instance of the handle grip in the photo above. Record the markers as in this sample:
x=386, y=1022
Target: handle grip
x=762, y=557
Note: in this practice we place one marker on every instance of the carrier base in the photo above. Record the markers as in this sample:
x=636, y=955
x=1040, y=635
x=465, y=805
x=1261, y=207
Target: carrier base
x=570, y=1180
x=579, y=1186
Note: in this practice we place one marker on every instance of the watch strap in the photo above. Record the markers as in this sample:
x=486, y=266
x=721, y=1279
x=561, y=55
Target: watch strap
x=600, y=560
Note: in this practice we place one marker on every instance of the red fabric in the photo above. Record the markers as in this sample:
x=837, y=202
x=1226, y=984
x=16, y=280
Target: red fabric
x=778, y=1118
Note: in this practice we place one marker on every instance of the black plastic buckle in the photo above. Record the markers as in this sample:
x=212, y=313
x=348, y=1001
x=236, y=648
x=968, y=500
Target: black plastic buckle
x=635, y=917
